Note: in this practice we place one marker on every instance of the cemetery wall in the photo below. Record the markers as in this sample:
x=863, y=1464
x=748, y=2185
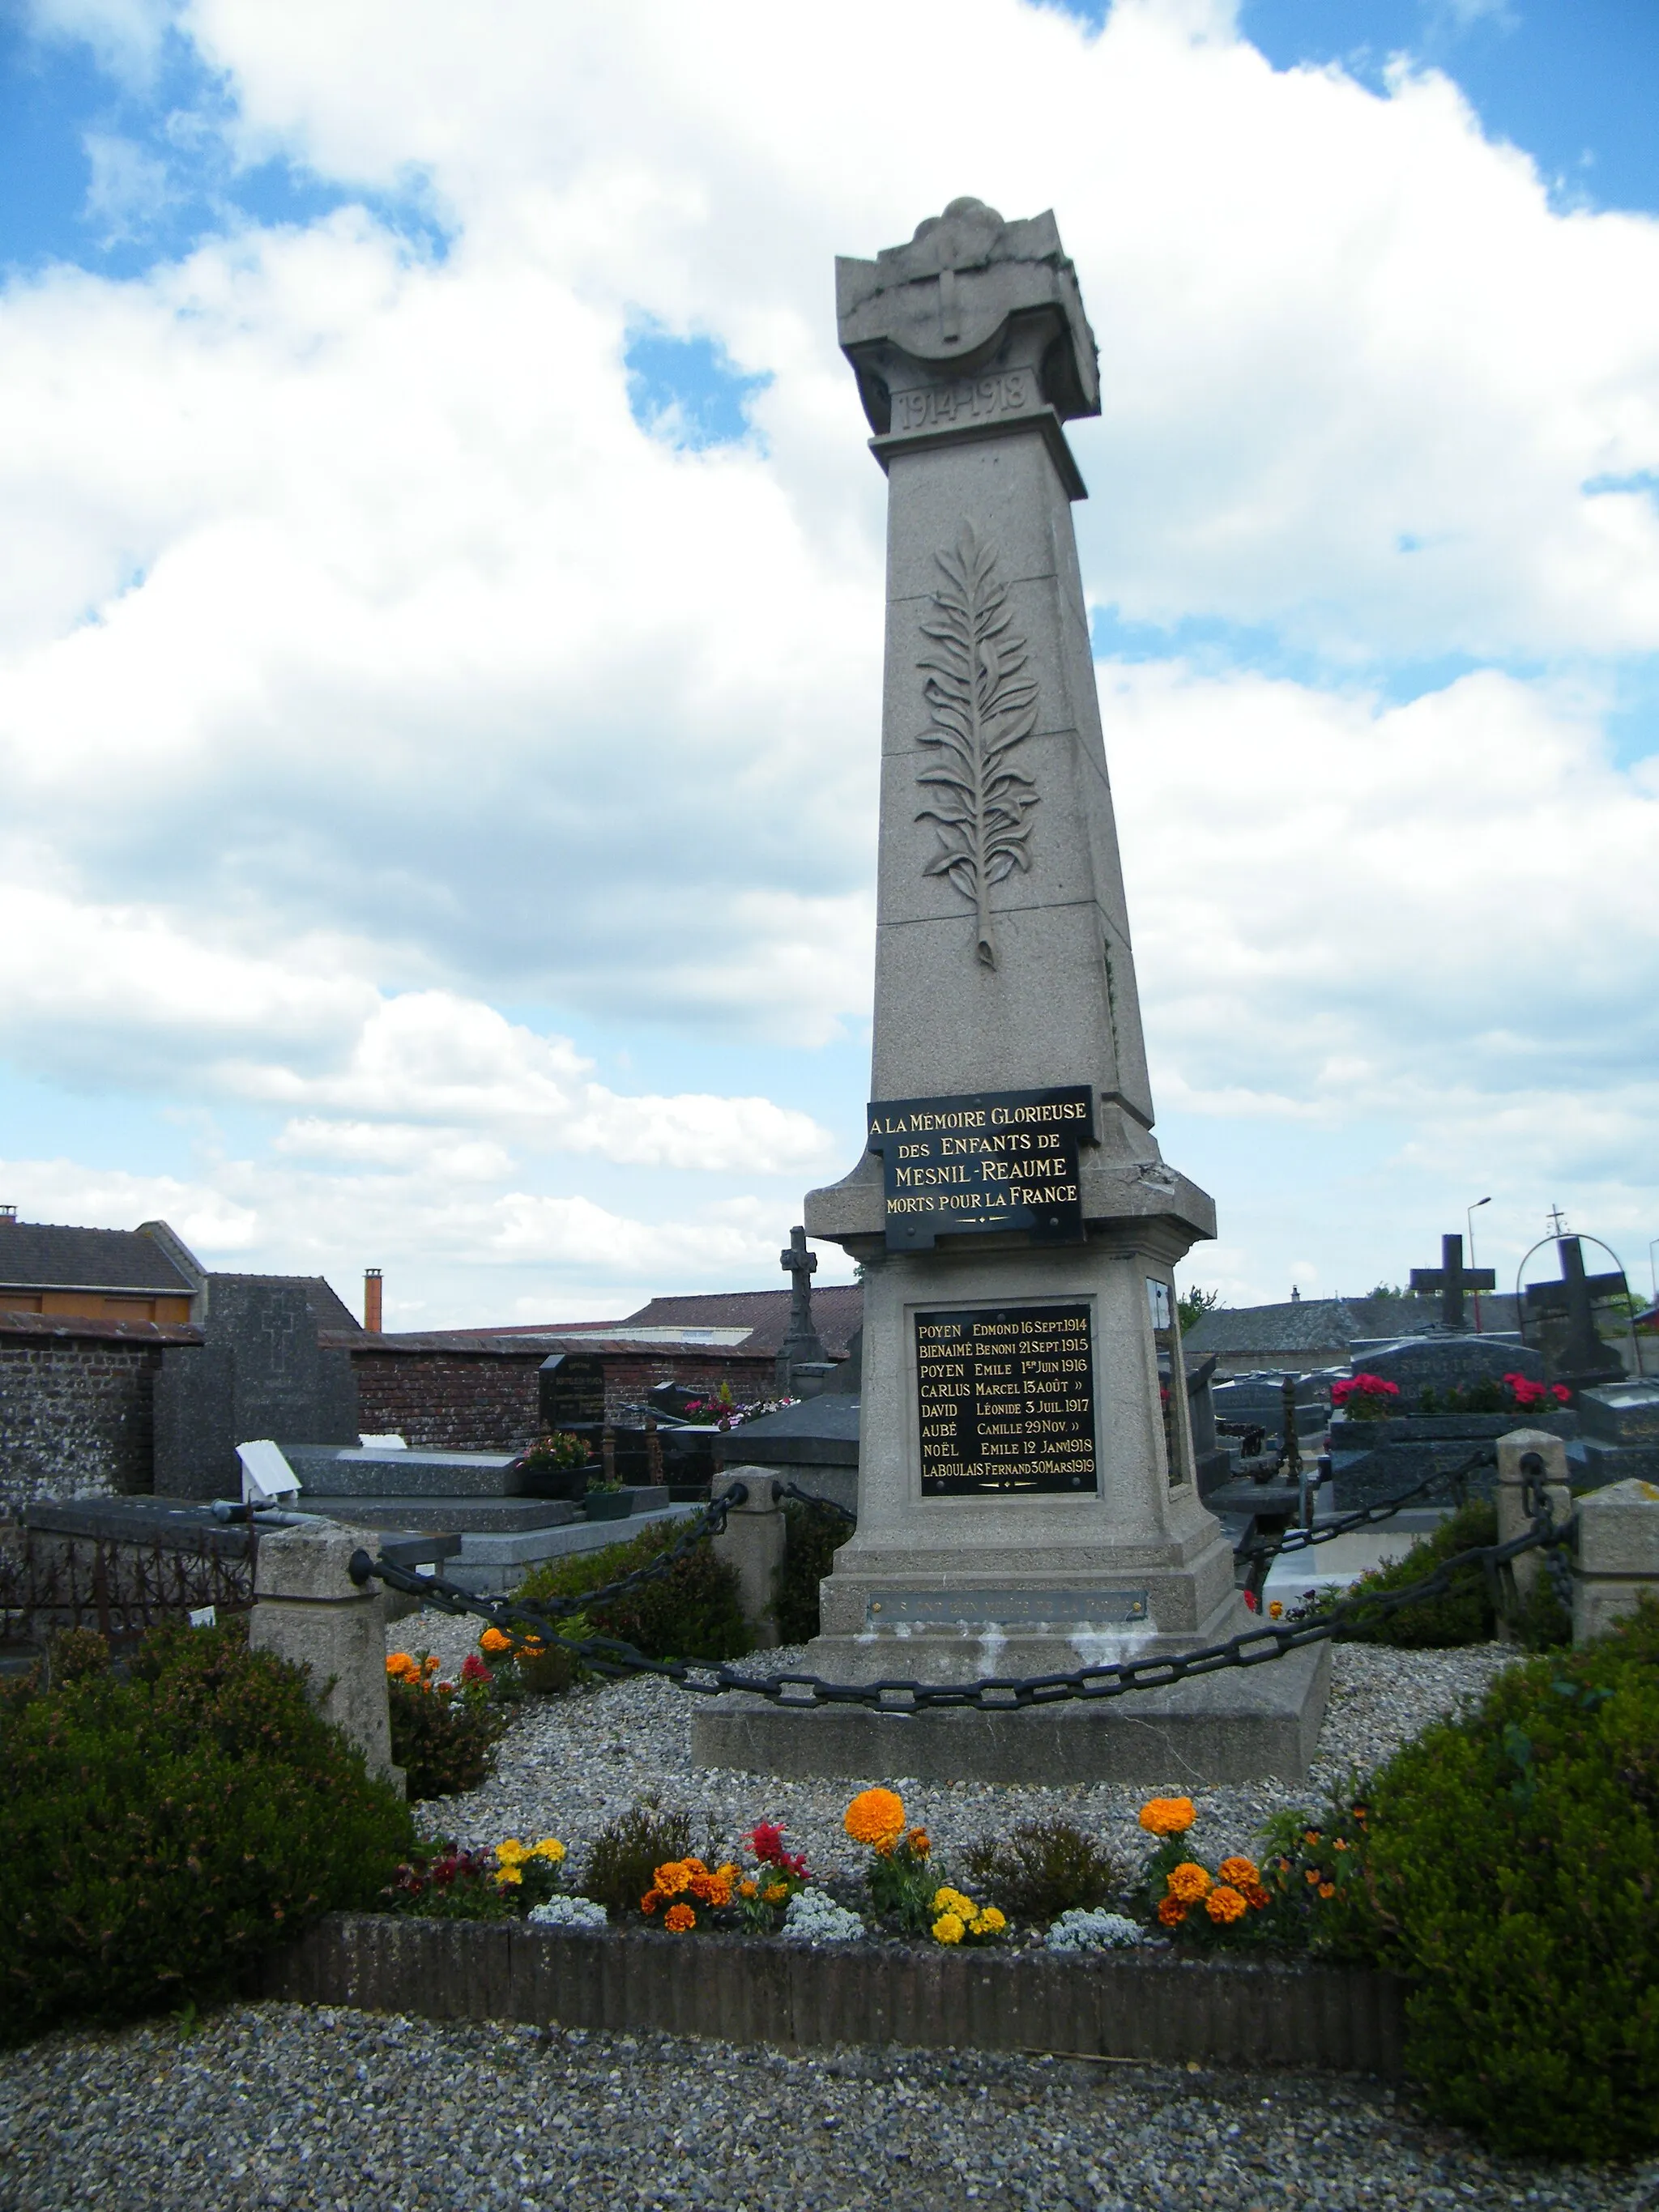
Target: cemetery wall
x=486, y=1400
x=76, y=1399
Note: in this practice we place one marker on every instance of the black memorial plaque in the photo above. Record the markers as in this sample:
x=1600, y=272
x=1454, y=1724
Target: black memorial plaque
x=990, y=1160
x=572, y=1390
x=1006, y=1399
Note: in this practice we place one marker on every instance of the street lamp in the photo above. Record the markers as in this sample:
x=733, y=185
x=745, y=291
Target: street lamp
x=1469, y=1213
x=1653, y=1277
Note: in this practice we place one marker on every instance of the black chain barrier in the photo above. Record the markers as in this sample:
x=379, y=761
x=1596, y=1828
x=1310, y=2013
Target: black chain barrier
x=1262, y=1554
x=1110, y=1679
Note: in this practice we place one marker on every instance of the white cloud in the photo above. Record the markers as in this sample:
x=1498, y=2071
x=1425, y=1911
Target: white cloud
x=365, y=668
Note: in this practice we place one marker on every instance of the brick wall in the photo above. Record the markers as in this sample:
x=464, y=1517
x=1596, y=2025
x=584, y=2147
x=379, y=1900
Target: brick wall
x=488, y=1401
x=76, y=1399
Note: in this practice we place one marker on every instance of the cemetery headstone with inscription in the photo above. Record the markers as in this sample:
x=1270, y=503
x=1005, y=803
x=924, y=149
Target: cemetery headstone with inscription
x=1027, y=1500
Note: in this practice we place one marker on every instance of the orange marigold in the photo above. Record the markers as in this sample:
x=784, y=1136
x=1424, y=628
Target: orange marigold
x=398, y=1663
x=747, y=1889
x=775, y=1893
x=1189, y=1882
x=1224, y=1904
x=918, y=1842
x=679, y=1918
x=1167, y=1816
x=876, y=1817
x=1239, y=1871
x=1171, y=1912
x=492, y=1640
x=651, y=1900
x=1255, y=1895
x=678, y=1875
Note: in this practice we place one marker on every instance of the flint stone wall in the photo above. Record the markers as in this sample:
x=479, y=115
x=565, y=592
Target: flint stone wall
x=77, y=1406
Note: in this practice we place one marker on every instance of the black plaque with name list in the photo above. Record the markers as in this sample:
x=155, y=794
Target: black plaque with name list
x=1006, y=1397
x=986, y=1161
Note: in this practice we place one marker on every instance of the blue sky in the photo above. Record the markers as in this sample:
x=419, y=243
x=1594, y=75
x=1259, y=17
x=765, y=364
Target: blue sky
x=438, y=688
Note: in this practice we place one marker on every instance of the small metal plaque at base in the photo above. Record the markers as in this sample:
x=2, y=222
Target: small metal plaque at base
x=1008, y=1608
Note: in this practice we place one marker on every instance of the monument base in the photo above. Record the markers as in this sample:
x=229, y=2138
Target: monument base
x=1245, y=1724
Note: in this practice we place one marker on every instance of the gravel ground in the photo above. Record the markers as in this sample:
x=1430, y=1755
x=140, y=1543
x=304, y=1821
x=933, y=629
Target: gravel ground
x=569, y=1764
x=278, y=2105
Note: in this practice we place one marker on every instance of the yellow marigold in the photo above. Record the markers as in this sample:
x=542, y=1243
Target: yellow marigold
x=990, y=1922
x=1171, y=1912
x=1189, y=1882
x=1224, y=1904
x=492, y=1641
x=679, y=1918
x=953, y=1900
x=876, y=1817
x=512, y=1852
x=1275, y=1610
x=1239, y=1871
x=509, y=1876
x=549, y=1849
x=948, y=1928
x=399, y=1663
x=747, y=1889
x=775, y=1893
x=1167, y=1816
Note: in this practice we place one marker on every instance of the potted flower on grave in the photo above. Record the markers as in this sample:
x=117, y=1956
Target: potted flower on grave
x=1366, y=1397
x=607, y=1500
x=555, y=1466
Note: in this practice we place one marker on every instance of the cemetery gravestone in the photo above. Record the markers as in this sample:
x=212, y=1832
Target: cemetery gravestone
x=260, y=1372
x=1451, y=1278
x=802, y=1346
x=1578, y=1356
x=1027, y=1499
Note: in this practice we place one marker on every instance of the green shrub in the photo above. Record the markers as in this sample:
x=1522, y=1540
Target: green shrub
x=1044, y=1868
x=623, y=1858
x=74, y=1654
x=691, y=1612
x=1464, y=1613
x=1514, y=1875
x=443, y=1733
x=812, y=1539
x=161, y=1834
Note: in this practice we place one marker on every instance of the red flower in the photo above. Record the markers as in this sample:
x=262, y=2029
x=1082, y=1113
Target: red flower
x=1252, y=1600
x=473, y=1668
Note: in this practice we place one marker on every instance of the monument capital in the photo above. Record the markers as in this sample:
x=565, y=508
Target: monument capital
x=970, y=295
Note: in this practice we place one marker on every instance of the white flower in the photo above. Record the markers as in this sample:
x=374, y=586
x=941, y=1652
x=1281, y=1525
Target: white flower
x=568, y=1913
x=811, y=1916
x=1093, y=1931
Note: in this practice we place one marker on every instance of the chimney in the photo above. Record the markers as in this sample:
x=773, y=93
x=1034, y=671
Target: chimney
x=371, y=1300
x=8, y=1213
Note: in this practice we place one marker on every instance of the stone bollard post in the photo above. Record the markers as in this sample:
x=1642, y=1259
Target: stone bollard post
x=307, y=1609
x=753, y=1543
x=1618, y=1557
x=1549, y=1456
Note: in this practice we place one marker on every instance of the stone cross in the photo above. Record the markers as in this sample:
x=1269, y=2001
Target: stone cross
x=1451, y=1278
x=802, y=1344
x=1583, y=1357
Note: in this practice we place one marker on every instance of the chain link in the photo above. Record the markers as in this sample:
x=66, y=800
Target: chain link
x=1110, y=1679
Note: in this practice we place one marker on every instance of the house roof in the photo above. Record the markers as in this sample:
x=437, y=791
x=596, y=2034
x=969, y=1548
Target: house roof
x=837, y=1310
x=328, y=1310
x=1306, y=1326
x=45, y=1255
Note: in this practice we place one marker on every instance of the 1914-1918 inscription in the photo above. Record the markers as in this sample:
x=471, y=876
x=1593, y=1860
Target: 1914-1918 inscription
x=1006, y=1399
x=990, y=1160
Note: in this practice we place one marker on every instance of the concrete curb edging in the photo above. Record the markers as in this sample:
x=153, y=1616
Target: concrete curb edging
x=744, y=1990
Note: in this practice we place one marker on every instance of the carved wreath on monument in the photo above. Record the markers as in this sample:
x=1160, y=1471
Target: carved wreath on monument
x=984, y=704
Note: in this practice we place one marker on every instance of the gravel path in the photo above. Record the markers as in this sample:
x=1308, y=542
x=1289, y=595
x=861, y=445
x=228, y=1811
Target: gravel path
x=280, y=2106
x=569, y=1764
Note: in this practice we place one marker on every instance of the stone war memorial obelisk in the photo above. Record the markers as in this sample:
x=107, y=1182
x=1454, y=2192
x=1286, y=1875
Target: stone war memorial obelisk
x=1027, y=1503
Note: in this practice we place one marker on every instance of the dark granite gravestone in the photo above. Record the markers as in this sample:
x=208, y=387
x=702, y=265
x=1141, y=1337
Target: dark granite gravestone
x=1451, y=1278
x=1576, y=1355
x=815, y=1445
x=572, y=1390
x=260, y=1372
x=1621, y=1425
x=1372, y=1461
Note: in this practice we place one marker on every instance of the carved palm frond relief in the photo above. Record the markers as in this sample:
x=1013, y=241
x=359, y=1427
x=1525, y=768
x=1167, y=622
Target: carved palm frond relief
x=982, y=704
